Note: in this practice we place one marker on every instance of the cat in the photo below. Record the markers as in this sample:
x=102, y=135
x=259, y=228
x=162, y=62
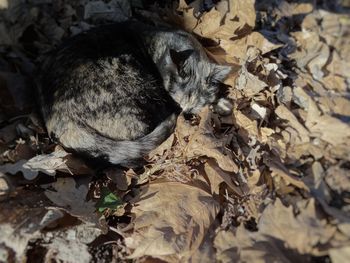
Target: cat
x=114, y=92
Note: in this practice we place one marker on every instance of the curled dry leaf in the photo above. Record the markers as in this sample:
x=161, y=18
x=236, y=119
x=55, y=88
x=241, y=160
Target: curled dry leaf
x=216, y=176
x=340, y=255
x=240, y=48
x=161, y=149
x=200, y=141
x=49, y=164
x=277, y=168
x=72, y=244
x=306, y=233
x=241, y=245
x=72, y=198
x=330, y=129
x=284, y=113
x=15, y=240
x=249, y=83
x=46, y=163
x=188, y=21
x=171, y=221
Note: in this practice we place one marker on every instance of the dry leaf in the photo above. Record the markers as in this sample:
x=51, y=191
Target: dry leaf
x=188, y=21
x=46, y=163
x=209, y=23
x=72, y=199
x=217, y=176
x=330, y=129
x=249, y=83
x=248, y=47
x=171, y=221
x=284, y=113
x=304, y=232
x=248, y=129
x=161, y=149
x=278, y=169
x=241, y=245
x=246, y=18
x=338, y=179
x=340, y=255
x=72, y=245
x=203, y=142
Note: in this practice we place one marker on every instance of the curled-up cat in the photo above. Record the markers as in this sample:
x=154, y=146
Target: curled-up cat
x=114, y=92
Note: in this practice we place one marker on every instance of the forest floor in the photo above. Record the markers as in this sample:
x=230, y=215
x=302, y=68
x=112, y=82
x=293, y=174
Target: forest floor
x=269, y=183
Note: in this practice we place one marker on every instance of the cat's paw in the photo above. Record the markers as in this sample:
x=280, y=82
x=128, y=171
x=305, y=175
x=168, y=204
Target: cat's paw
x=223, y=107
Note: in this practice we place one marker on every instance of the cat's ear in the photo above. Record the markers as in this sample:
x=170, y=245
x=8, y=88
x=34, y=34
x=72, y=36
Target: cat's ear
x=220, y=72
x=179, y=57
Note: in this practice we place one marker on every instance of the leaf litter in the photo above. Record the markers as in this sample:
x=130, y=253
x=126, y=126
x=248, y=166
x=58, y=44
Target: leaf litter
x=270, y=182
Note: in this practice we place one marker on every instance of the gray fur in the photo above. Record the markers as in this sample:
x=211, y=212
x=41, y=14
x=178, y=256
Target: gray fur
x=114, y=92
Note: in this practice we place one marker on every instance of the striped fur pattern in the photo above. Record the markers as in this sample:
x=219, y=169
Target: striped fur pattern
x=114, y=92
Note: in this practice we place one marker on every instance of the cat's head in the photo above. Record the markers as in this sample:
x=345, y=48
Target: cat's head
x=194, y=82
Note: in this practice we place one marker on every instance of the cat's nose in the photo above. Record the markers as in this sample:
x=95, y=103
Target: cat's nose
x=187, y=115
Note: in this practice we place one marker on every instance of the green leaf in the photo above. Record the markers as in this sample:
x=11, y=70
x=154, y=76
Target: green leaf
x=108, y=200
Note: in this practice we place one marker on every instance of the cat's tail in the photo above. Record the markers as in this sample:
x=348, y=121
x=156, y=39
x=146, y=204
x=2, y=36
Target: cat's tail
x=126, y=152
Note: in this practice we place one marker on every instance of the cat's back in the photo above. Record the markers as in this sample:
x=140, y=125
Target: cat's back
x=103, y=80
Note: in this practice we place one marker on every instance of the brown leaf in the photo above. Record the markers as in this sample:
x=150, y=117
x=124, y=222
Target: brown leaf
x=209, y=23
x=200, y=141
x=161, y=149
x=280, y=170
x=330, y=129
x=241, y=245
x=167, y=229
x=72, y=199
x=304, y=232
x=239, y=48
x=246, y=18
x=217, y=176
x=340, y=255
x=284, y=113
x=188, y=21
x=338, y=179
x=249, y=83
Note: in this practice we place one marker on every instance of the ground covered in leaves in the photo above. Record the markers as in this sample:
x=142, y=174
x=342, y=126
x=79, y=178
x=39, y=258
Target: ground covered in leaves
x=269, y=183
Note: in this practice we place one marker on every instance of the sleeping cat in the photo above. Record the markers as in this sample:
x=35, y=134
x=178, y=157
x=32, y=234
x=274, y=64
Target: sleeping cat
x=114, y=92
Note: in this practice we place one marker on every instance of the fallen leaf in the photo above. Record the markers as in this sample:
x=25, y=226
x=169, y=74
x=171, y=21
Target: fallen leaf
x=330, y=129
x=256, y=40
x=217, y=176
x=169, y=230
x=280, y=170
x=46, y=163
x=71, y=245
x=209, y=23
x=241, y=245
x=284, y=113
x=338, y=179
x=246, y=18
x=72, y=198
x=200, y=141
x=188, y=21
x=249, y=83
x=340, y=255
x=304, y=232
x=108, y=200
x=59, y=160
